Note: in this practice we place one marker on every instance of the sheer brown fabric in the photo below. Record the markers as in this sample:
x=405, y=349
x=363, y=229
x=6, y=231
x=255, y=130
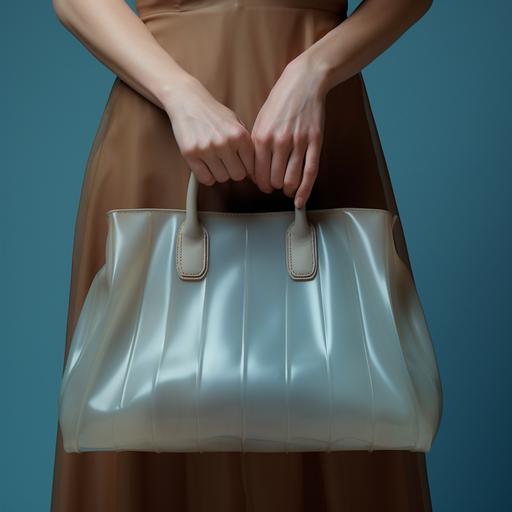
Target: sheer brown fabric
x=237, y=50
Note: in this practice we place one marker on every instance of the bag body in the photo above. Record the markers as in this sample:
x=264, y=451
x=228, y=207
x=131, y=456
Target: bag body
x=243, y=357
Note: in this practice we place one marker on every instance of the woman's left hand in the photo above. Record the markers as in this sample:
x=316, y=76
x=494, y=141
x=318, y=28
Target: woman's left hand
x=288, y=133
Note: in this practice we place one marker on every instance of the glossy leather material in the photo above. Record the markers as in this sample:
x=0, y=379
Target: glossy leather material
x=248, y=359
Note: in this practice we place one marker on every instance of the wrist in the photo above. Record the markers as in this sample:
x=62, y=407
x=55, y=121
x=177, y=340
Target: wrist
x=317, y=70
x=169, y=93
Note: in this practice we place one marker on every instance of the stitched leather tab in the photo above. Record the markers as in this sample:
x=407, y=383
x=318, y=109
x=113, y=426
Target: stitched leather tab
x=301, y=252
x=191, y=255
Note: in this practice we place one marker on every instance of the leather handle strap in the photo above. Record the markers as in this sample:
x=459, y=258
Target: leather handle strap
x=192, y=248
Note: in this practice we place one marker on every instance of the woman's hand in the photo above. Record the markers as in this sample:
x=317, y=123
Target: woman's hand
x=288, y=133
x=214, y=142
x=289, y=126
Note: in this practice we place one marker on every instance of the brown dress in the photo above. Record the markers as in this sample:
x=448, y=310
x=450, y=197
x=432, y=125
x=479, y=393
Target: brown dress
x=237, y=49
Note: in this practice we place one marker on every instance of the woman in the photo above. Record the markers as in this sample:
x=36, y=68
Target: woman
x=264, y=102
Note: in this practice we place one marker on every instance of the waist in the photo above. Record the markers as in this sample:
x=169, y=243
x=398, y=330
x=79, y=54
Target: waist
x=147, y=8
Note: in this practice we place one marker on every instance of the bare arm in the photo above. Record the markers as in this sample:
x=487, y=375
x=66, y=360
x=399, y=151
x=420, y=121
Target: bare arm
x=372, y=28
x=291, y=120
x=120, y=39
x=208, y=133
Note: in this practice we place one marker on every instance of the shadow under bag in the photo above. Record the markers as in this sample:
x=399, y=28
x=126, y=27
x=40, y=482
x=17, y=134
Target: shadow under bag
x=261, y=332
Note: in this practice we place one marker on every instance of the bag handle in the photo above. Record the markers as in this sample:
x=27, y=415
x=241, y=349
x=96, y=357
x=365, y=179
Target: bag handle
x=192, y=248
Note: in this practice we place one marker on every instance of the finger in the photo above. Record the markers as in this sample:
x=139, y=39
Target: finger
x=201, y=171
x=245, y=149
x=216, y=166
x=293, y=173
x=309, y=174
x=246, y=154
x=280, y=154
x=232, y=163
x=252, y=178
x=262, y=161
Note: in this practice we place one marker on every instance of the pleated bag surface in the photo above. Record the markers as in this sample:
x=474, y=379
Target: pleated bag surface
x=271, y=331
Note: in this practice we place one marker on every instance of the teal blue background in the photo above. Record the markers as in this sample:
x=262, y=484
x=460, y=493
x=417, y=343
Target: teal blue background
x=441, y=99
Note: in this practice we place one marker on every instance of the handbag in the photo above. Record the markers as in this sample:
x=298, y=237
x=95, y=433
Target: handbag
x=276, y=331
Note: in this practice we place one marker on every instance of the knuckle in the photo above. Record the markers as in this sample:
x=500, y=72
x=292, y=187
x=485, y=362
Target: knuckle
x=282, y=138
x=206, y=179
x=300, y=138
x=264, y=185
x=310, y=171
x=238, y=176
x=291, y=183
x=276, y=182
x=200, y=149
x=218, y=143
x=238, y=135
x=315, y=135
x=262, y=139
x=190, y=151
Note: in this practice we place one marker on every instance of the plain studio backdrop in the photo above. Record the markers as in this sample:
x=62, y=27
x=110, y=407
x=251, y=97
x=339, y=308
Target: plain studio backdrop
x=441, y=99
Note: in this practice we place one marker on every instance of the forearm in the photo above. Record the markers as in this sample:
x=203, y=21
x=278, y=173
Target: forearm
x=121, y=40
x=358, y=40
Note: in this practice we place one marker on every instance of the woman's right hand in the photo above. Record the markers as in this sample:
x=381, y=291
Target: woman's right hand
x=214, y=142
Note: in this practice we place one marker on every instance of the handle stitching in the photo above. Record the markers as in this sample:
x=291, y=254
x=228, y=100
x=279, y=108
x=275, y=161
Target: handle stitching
x=290, y=254
x=179, y=254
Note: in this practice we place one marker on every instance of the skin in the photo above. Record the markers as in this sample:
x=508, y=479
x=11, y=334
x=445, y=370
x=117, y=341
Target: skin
x=282, y=150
